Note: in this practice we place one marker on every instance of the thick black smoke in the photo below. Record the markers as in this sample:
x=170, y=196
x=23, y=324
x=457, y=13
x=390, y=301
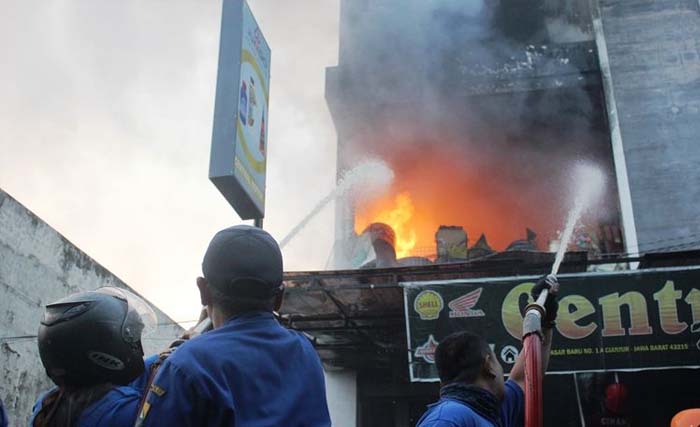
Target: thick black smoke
x=513, y=84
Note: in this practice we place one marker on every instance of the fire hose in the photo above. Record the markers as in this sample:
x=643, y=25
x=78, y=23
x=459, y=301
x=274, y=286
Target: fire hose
x=532, y=346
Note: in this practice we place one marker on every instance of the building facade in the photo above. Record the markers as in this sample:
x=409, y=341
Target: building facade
x=521, y=90
x=506, y=96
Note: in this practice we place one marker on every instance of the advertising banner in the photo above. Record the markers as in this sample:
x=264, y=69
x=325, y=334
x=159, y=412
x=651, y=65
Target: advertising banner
x=239, y=141
x=251, y=125
x=626, y=321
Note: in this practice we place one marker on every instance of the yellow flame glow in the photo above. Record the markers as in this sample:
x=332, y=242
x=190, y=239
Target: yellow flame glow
x=398, y=217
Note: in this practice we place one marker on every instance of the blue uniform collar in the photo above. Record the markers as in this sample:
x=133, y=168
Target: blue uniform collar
x=251, y=316
x=480, y=400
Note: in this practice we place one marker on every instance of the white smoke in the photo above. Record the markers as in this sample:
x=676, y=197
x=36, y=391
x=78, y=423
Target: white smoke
x=366, y=181
x=369, y=179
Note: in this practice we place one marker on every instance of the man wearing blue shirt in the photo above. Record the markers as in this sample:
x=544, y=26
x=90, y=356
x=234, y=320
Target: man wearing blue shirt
x=473, y=391
x=3, y=417
x=249, y=370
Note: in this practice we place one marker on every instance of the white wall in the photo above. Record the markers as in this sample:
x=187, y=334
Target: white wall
x=341, y=391
x=38, y=266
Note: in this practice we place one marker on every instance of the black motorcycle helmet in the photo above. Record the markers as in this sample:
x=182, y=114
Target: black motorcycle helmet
x=94, y=337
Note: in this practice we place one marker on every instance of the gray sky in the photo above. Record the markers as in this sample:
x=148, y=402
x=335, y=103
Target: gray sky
x=105, y=125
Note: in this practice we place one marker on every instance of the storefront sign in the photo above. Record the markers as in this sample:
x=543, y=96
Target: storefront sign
x=646, y=319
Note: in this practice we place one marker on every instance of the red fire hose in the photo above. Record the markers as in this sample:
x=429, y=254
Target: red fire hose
x=532, y=346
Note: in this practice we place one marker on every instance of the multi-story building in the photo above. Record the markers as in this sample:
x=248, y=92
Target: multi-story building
x=483, y=110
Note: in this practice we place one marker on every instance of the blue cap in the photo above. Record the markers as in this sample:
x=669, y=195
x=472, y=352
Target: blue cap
x=244, y=261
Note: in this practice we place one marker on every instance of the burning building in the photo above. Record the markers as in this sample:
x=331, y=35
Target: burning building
x=481, y=123
x=482, y=109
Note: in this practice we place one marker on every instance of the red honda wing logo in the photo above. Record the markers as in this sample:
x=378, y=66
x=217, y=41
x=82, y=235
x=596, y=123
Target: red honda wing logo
x=464, y=305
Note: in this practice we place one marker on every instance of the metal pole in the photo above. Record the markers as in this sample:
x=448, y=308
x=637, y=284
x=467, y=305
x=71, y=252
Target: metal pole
x=578, y=399
x=258, y=222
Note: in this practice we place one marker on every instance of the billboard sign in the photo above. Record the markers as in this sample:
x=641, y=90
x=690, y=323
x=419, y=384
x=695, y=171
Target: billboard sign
x=239, y=139
x=626, y=321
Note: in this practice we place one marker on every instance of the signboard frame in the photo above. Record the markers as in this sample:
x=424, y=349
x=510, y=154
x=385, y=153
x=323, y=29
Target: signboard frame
x=238, y=160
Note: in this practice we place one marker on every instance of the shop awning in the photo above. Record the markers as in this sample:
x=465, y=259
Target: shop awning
x=356, y=317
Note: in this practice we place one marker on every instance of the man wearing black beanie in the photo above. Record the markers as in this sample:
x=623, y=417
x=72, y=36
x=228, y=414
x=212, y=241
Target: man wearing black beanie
x=249, y=370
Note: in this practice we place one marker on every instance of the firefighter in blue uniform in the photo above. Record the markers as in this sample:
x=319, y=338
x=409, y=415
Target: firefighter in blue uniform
x=248, y=371
x=3, y=417
x=90, y=346
x=473, y=392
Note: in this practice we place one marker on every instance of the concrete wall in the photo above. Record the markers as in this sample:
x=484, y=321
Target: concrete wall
x=38, y=266
x=654, y=59
x=341, y=392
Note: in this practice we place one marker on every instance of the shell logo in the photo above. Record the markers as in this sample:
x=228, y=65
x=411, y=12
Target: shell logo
x=428, y=305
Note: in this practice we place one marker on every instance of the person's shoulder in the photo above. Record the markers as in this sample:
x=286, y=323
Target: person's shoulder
x=513, y=390
x=3, y=416
x=114, y=399
x=181, y=364
x=40, y=402
x=194, y=349
x=149, y=361
x=513, y=404
x=123, y=393
x=309, y=351
x=455, y=410
x=448, y=412
x=42, y=396
x=206, y=349
x=115, y=409
x=194, y=358
x=305, y=341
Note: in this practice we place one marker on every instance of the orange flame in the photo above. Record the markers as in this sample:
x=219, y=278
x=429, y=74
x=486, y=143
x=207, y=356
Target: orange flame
x=451, y=186
x=484, y=178
x=398, y=216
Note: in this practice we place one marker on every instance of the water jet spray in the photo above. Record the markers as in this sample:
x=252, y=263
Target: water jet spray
x=370, y=177
x=587, y=185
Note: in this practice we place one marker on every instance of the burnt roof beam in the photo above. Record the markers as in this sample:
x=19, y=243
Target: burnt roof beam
x=342, y=310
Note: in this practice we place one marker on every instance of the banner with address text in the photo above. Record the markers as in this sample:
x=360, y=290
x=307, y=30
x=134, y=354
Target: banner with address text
x=634, y=320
